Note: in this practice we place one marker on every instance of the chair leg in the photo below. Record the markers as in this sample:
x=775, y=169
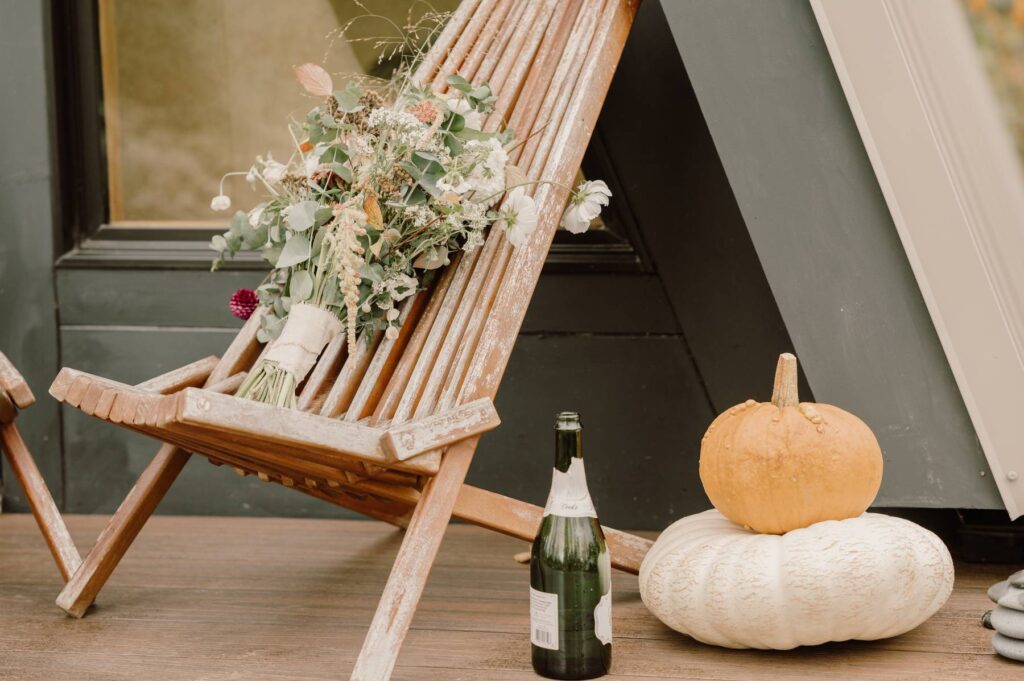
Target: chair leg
x=40, y=501
x=113, y=542
x=412, y=566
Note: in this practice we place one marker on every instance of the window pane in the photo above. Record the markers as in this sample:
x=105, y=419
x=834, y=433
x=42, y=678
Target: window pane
x=196, y=88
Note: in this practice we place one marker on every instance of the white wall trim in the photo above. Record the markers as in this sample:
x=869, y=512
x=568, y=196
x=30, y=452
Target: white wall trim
x=955, y=187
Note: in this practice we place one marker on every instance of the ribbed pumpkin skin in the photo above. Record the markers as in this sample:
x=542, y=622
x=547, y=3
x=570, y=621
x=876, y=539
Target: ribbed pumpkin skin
x=777, y=469
x=864, y=578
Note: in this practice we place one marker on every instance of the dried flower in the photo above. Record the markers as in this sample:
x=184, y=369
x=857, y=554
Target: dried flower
x=314, y=79
x=374, y=218
x=425, y=112
x=243, y=303
x=221, y=202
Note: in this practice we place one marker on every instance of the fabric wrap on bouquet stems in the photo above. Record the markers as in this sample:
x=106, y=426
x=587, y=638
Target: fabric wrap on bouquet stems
x=306, y=333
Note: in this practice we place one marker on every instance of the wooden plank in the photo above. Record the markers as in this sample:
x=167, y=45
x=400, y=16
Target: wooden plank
x=393, y=391
x=520, y=519
x=188, y=376
x=8, y=411
x=440, y=429
x=324, y=372
x=385, y=360
x=256, y=422
x=347, y=383
x=12, y=382
x=40, y=500
x=442, y=47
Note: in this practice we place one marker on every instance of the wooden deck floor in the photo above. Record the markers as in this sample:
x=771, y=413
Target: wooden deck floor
x=228, y=598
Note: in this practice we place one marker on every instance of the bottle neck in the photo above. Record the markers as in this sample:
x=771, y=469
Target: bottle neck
x=568, y=445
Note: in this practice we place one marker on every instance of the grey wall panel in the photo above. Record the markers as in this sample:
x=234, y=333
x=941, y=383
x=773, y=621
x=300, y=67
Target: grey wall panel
x=563, y=303
x=643, y=415
x=827, y=243
x=690, y=222
x=28, y=332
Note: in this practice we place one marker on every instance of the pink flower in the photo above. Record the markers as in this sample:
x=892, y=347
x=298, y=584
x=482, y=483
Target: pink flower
x=243, y=303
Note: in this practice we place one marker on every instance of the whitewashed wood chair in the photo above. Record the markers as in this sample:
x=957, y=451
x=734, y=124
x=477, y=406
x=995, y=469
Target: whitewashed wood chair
x=15, y=394
x=390, y=431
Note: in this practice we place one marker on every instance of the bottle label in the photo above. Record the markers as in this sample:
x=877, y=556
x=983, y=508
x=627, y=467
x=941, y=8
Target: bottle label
x=603, y=619
x=569, y=495
x=543, y=619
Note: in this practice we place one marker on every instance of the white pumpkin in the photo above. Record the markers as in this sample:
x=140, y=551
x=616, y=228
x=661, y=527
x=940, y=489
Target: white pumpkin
x=863, y=578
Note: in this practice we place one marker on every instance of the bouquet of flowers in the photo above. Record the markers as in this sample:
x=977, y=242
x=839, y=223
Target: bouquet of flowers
x=384, y=185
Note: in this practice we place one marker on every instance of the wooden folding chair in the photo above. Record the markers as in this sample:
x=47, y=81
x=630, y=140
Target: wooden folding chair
x=390, y=431
x=14, y=395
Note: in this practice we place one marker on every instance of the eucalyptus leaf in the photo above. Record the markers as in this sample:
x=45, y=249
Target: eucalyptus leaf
x=301, y=286
x=342, y=171
x=239, y=221
x=334, y=154
x=348, y=99
x=295, y=251
x=272, y=254
x=322, y=216
x=455, y=123
x=471, y=134
x=371, y=273
x=300, y=216
x=270, y=327
x=255, y=238
x=459, y=83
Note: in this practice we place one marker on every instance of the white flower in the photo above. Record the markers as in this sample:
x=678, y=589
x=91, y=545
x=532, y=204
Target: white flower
x=462, y=107
x=273, y=172
x=487, y=178
x=585, y=206
x=474, y=239
x=251, y=176
x=255, y=214
x=518, y=217
x=221, y=202
x=392, y=314
x=391, y=333
x=454, y=183
x=404, y=282
x=311, y=163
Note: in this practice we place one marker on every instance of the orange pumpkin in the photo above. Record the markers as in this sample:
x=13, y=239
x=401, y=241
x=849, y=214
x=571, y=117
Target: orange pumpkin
x=781, y=465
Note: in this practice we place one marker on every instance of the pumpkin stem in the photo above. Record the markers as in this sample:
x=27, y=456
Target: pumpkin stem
x=785, y=392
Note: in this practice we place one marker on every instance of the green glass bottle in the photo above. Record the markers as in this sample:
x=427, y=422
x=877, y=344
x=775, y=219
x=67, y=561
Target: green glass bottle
x=570, y=571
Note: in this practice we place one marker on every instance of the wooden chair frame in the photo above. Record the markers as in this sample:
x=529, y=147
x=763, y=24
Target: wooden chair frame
x=15, y=394
x=391, y=430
